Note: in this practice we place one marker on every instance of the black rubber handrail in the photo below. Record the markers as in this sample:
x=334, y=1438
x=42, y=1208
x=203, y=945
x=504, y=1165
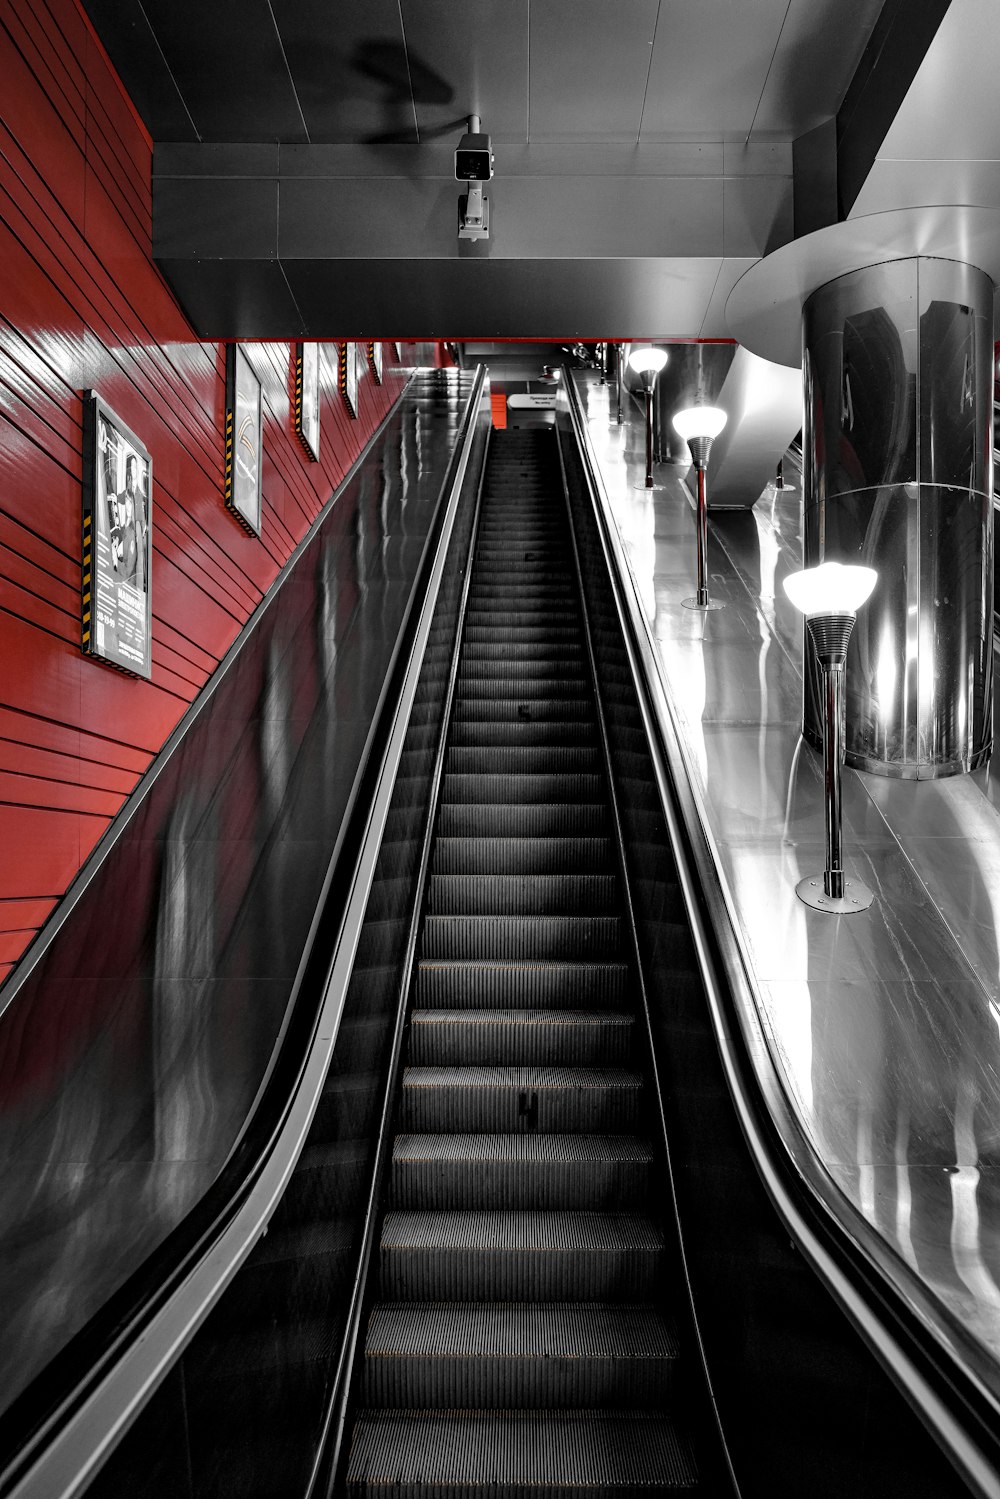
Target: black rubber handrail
x=945, y=1375
x=52, y=1400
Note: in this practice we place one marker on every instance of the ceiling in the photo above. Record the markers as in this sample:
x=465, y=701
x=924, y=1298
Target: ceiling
x=303, y=174
x=638, y=72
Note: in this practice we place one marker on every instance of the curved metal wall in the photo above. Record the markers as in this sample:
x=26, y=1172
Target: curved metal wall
x=897, y=474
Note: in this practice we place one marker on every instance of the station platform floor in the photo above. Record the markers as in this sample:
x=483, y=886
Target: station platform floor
x=885, y=1025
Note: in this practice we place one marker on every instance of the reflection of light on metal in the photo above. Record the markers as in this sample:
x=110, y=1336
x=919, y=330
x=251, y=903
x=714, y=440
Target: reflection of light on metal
x=770, y=385
x=886, y=675
x=904, y=1196
x=995, y=1012
x=966, y=1239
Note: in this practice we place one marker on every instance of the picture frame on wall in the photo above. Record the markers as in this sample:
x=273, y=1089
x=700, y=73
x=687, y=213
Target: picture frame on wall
x=307, y=397
x=244, y=440
x=375, y=359
x=117, y=616
x=348, y=365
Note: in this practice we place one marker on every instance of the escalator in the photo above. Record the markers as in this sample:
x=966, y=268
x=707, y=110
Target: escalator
x=513, y=1238
x=524, y=1336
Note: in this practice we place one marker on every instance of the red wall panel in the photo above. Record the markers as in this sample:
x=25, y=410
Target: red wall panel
x=83, y=306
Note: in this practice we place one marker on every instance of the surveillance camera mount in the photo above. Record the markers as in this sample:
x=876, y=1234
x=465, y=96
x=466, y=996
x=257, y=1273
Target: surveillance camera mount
x=474, y=165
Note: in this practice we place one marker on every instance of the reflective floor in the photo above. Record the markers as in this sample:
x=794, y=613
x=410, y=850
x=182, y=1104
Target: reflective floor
x=885, y=1024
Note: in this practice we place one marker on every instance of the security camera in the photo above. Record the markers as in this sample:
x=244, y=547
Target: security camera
x=474, y=165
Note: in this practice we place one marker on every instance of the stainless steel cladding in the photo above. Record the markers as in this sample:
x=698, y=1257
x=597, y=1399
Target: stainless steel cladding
x=898, y=474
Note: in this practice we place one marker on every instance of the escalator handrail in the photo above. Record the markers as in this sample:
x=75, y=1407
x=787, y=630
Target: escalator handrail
x=939, y=1367
x=68, y=1457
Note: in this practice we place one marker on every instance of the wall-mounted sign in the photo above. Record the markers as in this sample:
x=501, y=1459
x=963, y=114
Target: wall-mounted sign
x=349, y=376
x=544, y=401
x=117, y=541
x=243, y=439
x=375, y=355
x=307, y=397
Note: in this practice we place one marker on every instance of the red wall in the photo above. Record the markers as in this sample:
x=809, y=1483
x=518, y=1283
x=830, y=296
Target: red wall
x=83, y=306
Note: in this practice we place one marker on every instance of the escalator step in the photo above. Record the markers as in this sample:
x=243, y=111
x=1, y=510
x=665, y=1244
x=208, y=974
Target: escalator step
x=522, y=820
x=518, y=1455
x=571, y=1038
x=504, y=1256
x=497, y=1100
x=473, y=732
x=522, y=894
x=505, y=759
x=522, y=635
x=520, y=1355
x=495, y=790
x=478, y=985
x=522, y=650
x=549, y=937
x=597, y=1172
x=517, y=709
x=508, y=668
x=503, y=856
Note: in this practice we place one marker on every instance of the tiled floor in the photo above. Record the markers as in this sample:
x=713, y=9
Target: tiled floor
x=885, y=1024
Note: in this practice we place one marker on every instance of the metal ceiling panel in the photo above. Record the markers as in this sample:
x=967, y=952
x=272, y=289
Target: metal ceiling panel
x=124, y=28
x=709, y=64
x=588, y=67
x=228, y=64
x=351, y=70
x=482, y=57
x=821, y=44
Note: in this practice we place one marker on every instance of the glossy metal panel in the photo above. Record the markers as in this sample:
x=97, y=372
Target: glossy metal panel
x=133, y=1051
x=897, y=474
x=589, y=64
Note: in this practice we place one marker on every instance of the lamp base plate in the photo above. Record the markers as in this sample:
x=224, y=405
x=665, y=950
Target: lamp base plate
x=857, y=896
x=648, y=488
x=709, y=608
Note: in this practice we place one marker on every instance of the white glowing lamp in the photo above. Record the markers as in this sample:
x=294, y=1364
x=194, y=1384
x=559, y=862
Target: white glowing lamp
x=832, y=588
x=700, y=421
x=645, y=359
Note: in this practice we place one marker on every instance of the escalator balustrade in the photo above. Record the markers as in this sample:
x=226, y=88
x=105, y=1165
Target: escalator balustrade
x=522, y=1338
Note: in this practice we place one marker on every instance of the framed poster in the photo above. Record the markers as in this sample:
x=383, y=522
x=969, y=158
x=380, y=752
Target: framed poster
x=375, y=355
x=307, y=397
x=349, y=376
x=243, y=439
x=117, y=543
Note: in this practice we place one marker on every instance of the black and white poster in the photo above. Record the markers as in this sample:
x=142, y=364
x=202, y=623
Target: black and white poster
x=349, y=376
x=307, y=397
x=243, y=439
x=117, y=542
x=375, y=355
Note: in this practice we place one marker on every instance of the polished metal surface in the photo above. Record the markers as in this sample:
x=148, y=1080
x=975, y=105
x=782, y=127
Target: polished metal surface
x=898, y=474
x=886, y=1028
x=134, y=1046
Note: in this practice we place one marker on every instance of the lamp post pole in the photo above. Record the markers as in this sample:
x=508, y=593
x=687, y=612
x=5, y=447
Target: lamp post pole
x=699, y=426
x=619, y=348
x=701, y=595
x=647, y=361
x=648, y=379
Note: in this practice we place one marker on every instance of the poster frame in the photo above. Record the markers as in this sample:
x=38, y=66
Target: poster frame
x=307, y=398
x=347, y=365
x=96, y=528
x=375, y=360
x=241, y=380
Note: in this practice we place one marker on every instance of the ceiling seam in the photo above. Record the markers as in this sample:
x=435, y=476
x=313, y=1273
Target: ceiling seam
x=649, y=70
x=711, y=296
x=291, y=80
x=409, y=75
x=527, y=91
x=170, y=71
x=767, y=75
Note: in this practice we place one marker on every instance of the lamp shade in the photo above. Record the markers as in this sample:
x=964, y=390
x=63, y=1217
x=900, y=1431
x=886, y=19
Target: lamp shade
x=833, y=588
x=645, y=358
x=699, y=421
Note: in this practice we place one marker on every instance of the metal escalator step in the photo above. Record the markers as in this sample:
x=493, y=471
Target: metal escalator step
x=522, y=894
x=506, y=759
x=538, y=1171
x=521, y=634
x=478, y=732
x=480, y=985
x=520, y=592
x=520, y=1355
x=541, y=613
x=493, y=790
x=518, y=709
x=518, y=1455
x=498, y=1100
x=520, y=1256
x=523, y=688
x=572, y=1038
x=521, y=819
x=547, y=650
x=510, y=667
x=505, y=856
x=549, y=937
